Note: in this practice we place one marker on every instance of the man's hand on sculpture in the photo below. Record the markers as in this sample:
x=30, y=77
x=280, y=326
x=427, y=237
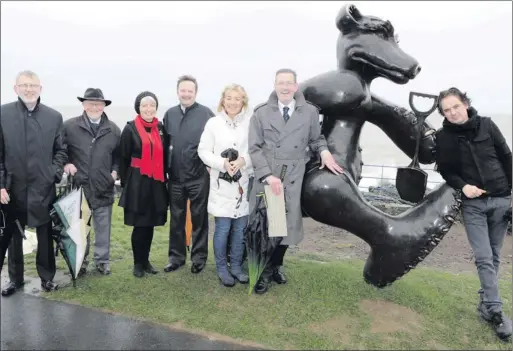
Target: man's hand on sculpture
x=275, y=183
x=70, y=169
x=5, y=197
x=328, y=161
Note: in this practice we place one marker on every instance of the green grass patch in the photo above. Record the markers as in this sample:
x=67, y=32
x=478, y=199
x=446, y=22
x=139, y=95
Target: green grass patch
x=325, y=305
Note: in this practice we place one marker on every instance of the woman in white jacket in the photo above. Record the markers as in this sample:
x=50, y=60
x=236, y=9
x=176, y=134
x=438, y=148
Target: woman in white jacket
x=228, y=199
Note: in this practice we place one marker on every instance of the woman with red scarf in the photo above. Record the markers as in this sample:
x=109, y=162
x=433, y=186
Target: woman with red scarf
x=143, y=177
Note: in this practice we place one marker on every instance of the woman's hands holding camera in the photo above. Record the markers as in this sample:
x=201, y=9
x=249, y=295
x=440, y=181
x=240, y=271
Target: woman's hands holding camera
x=237, y=164
x=228, y=167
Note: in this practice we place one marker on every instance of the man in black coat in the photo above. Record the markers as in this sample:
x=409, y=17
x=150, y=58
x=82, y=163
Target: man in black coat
x=188, y=178
x=93, y=155
x=473, y=156
x=32, y=158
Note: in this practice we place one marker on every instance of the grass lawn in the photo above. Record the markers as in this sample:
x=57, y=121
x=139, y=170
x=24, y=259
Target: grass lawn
x=325, y=305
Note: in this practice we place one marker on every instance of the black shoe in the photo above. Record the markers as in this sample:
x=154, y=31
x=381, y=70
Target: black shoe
x=148, y=268
x=103, y=268
x=11, y=288
x=138, y=270
x=172, y=267
x=279, y=277
x=502, y=325
x=48, y=285
x=262, y=286
x=197, y=267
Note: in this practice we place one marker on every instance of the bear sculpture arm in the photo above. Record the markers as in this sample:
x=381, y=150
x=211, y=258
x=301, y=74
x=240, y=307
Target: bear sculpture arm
x=400, y=125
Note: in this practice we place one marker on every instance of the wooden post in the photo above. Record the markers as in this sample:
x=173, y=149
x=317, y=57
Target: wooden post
x=188, y=225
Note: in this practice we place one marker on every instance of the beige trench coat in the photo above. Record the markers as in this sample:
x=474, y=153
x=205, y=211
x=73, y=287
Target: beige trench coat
x=274, y=143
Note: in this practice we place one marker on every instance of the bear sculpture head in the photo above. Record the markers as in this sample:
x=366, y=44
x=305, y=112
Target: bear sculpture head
x=368, y=46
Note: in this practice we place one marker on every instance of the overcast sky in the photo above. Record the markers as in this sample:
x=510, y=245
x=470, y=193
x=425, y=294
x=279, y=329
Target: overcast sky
x=127, y=47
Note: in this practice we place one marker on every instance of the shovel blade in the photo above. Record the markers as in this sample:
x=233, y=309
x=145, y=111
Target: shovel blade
x=411, y=184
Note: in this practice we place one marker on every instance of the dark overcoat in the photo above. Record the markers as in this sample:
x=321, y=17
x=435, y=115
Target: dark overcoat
x=144, y=199
x=34, y=156
x=94, y=156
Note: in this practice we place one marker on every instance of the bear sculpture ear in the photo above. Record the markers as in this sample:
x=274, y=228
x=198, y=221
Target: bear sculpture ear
x=347, y=18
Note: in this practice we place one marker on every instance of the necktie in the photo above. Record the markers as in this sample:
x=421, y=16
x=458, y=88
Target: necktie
x=286, y=114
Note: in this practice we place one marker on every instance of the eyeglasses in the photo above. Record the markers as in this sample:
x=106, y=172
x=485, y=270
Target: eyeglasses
x=31, y=86
x=281, y=84
x=95, y=104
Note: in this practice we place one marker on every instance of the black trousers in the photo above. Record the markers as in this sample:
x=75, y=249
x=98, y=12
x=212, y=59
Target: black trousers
x=278, y=255
x=12, y=240
x=197, y=192
x=142, y=237
x=276, y=260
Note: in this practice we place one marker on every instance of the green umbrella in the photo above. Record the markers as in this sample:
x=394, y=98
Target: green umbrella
x=71, y=217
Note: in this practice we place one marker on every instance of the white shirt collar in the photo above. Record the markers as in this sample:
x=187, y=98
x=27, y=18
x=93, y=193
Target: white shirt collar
x=291, y=106
x=92, y=121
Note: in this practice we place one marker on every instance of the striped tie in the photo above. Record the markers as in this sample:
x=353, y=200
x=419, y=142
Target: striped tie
x=286, y=114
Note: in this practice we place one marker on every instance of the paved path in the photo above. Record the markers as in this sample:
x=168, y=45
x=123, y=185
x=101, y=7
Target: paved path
x=36, y=323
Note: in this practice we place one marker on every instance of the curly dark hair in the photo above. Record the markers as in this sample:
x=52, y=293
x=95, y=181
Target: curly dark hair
x=452, y=92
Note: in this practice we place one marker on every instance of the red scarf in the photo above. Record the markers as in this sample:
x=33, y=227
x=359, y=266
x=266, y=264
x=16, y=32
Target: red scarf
x=151, y=165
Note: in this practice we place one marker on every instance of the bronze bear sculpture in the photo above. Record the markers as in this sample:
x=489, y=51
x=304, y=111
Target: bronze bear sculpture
x=366, y=49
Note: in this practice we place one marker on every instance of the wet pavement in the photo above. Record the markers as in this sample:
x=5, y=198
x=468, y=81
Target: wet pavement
x=35, y=323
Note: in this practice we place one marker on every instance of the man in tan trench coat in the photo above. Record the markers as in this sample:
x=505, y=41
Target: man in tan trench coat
x=280, y=132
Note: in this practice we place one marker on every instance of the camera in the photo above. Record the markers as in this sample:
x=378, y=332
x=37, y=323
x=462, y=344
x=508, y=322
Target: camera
x=231, y=155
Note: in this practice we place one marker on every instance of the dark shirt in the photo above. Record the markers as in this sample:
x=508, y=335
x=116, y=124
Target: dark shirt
x=184, y=130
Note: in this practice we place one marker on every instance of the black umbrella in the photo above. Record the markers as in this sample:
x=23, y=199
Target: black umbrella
x=8, y=210
x=259, y=245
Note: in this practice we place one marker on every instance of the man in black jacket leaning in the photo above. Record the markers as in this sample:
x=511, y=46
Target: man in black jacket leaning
x=473, y=156
x=33, y=156
x=188, y=178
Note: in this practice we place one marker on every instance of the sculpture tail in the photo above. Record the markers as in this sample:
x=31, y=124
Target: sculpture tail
x=404, y=249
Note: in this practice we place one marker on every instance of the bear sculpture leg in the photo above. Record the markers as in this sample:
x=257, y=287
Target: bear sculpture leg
x=398, y=243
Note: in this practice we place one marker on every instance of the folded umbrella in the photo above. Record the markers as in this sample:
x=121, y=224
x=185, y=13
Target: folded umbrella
x=259, y=245
x=8, y=210
x=71, y=223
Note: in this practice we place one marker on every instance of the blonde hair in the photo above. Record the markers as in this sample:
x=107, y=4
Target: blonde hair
x=233, y=87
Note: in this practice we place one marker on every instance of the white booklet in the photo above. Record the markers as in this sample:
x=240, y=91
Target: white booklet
x=276, y=213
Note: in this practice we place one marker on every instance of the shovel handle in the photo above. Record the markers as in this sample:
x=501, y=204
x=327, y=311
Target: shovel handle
x=421, y=116
x=429, y=96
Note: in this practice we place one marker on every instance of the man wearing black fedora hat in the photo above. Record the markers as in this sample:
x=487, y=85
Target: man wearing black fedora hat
x=93, y=161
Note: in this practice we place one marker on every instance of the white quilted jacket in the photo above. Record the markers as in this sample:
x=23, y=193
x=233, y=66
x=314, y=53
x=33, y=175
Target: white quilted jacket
x=221, y=133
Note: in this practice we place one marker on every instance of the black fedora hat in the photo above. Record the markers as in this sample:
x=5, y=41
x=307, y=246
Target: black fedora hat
x=94, y=94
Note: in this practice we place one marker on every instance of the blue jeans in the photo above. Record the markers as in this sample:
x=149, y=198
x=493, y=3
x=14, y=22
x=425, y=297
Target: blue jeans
x=486, y=228
x=224, y=227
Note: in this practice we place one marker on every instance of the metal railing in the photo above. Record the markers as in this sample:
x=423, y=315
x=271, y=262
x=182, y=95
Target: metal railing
x=380, y=178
